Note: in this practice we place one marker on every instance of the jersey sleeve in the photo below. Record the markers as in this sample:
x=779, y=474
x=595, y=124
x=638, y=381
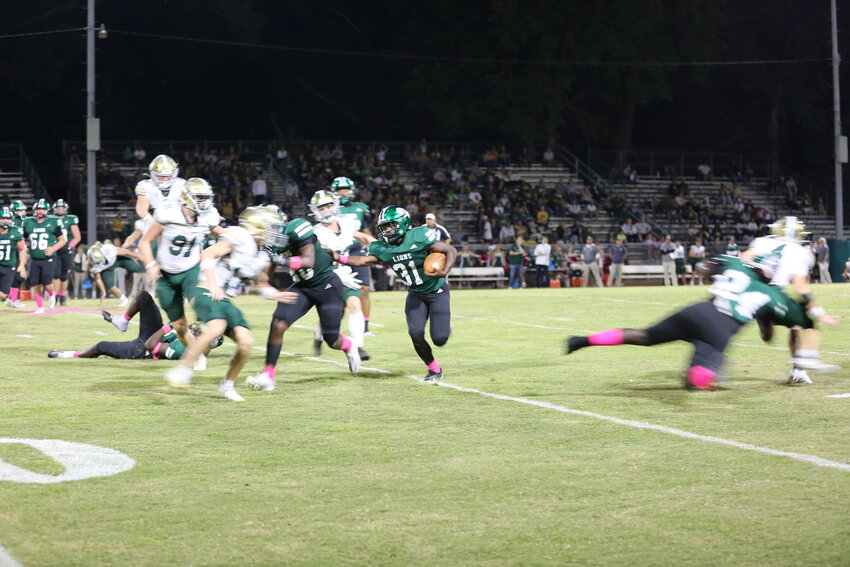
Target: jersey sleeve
x=302, y=231
x=74, y=220
x=142, y=188
x=377, y=249
x=212, y=218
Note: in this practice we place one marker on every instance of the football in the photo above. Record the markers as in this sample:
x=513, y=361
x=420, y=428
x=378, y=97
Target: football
x=435, y=262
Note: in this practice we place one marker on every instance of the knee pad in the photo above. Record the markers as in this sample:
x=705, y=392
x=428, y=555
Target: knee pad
x=441, y=340
x=330, y=338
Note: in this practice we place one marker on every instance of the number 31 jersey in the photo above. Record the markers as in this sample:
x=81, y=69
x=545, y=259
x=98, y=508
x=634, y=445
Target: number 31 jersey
x=180, y=243
x=408, y=259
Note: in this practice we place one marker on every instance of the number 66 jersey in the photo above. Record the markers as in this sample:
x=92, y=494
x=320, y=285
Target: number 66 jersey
x=180, y=244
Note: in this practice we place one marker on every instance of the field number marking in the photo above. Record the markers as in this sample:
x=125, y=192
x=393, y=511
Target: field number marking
x=80, y=460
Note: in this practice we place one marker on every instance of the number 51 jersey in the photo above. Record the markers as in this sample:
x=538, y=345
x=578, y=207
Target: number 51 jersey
x=180, y=243
x=408, y=259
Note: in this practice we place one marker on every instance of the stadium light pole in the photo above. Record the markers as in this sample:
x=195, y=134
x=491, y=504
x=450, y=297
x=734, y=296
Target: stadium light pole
x=840, y=141
x=92, y=130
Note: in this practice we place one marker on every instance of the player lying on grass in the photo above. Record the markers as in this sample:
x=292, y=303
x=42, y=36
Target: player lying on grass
x=404, y=249
x=154, y=341
x=740, y=294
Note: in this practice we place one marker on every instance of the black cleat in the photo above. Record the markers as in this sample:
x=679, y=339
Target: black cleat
x=575, y=343
x=53, y=354
x=363, y=354
x=765, y=330
x=63, y=300
x=433, y=376
x=107, y=316
x=317, y=347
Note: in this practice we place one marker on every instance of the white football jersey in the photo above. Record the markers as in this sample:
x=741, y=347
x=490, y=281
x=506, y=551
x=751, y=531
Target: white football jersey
x=243, y=263
x=180, y=243
x=786, y=258
x=147, y=188
x=110, y=255
x=338, y=241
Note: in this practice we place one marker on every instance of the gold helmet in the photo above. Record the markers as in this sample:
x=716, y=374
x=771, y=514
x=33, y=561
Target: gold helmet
x=789, y=228
x=94, y=253
x=163, y=170
x=265, y=224
x=319, y=205
x=197, y=195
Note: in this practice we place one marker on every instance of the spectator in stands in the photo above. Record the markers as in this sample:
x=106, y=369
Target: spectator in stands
x=542, y=253
x=516, y=256
x=630, y=230
x=465, y=257
x=496, y=258
x=542, y=218
x=619, y=254
x=679, y=259
x=260, y=191
x=486, y=229
x=574, y=209
x=139, y=155
x=578, y=232
x=643, y=228
x=438, y=230
x=507, y=233
x=822, y=257
x=704, y=171
x=127, y=155
x=696, y=254
x=668, y=262
x=590, y=256
x=548, y=156
x=118, y=228
x=558, y=265
x=845, y=275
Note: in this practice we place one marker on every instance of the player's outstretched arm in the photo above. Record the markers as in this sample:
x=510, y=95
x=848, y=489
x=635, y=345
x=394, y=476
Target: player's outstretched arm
x=150, y=235
x=451, y=257
x=364, y=238
x=209, y=259
x=355, y=261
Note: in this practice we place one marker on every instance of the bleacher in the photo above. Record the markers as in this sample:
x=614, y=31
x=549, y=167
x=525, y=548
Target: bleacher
x=18, y=180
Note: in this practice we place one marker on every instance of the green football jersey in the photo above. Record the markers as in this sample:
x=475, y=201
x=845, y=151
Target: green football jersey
x=732, y=250
x=408, y=259
x=739, y=293
x=298, y=233
x=67, y=222
x=9, y=247
x=18, y=221
x=173, y=347
x=42, y=235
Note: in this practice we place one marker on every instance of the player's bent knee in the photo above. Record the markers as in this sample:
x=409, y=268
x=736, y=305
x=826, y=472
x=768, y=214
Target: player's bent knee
x=330, y=338
x=440, y=340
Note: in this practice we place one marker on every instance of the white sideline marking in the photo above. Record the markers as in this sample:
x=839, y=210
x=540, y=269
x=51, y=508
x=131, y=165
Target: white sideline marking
x=100, y=333
x=838, y=395
x=6, y=559
x=26, y=336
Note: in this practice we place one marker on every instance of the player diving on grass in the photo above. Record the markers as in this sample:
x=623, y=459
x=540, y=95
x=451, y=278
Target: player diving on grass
x=404, y=250
x=12, y=249
x=314, y=284
x=336, y=233
x=104, y=258
x=155, y=340
x=238, y=256
x=740, y=294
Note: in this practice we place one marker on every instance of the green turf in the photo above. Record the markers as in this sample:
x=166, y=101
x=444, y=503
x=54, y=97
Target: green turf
x=379, y=469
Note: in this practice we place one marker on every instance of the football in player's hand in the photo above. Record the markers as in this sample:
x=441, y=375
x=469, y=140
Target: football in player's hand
x=435, y=262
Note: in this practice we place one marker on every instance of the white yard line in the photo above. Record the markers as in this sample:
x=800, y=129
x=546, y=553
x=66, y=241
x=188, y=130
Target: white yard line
x=6, y=559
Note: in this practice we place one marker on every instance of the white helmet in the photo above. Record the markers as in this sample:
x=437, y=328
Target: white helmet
x=789, y=228
x=197, y=195
x=319, y=206
x=163, y=170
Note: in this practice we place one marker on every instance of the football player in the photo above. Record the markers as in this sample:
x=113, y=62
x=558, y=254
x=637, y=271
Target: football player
x=740, y=294
x=404, y=249
x=162, y=184
x=19, y=211
x=155, y=340
x=104, y=258
x=179, y=230
x=12, y=244
x=346, y=191
x=783, y=258
x=314, y=284
x=238, y=256
x=65, y=255
x=45, y=236
x=336, y=233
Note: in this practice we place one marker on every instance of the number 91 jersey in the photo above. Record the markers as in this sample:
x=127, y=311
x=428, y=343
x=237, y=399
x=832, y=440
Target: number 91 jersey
x=407, y=259
x=180, y=243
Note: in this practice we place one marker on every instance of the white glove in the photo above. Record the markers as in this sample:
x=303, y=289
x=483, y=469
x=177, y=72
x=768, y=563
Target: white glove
x=349, y=279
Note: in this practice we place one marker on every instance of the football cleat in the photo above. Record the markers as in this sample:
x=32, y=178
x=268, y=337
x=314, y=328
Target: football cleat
x=63, y=300
x=815, y=364
x=574, y=343
x=40, y=311
x=201, y=363
x=19, y=304
x=51, y=301
x=353, y=359
x=118, y=321
x=363, y=354
x=317, y=347
x=765, y=330
x=368, y=334
x=799, y=376
x=433, y=376
x=124, y=301
x=54, y=354
x=227, y=390
x=260, y=381
x=179, y=377
x=9, y=303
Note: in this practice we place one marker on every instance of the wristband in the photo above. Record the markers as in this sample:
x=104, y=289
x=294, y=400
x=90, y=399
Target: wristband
x=343, y=259
x=149, y=264
x=295, y=262
x=817, y=311
x=267, y=292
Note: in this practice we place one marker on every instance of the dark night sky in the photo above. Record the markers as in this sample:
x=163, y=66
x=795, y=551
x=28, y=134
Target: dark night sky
x=164, y=89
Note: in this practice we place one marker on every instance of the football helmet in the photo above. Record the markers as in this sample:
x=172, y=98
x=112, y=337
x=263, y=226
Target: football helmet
x=325, y=206
x=197, y=195
x=94, y=253
x=789, y=228
x=60, y=203
x=263, y=223
x=6, y=217
x=40, y=208
x=344, y=184
x=163, y=170
x=393, y=223
x=18, y=208
x=275, y=209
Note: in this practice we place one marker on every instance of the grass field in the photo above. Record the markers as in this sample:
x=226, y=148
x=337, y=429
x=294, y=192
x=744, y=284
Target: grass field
x=522, y=456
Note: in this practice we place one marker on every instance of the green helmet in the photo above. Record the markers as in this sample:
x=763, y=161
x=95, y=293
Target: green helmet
x=18, y=208
x=39, y=205
x=61, y=203
x=393, y=223
x=6, y=217
x=344, y=183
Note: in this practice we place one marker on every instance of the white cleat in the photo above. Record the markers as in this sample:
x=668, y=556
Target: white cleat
x=40, y=311
x=9, y=303
x=51, y=301
x=201, y=363
x=226, y=389
x=260, y=381
x=353, y=359
x=799, y=376
x=18, y=304
x=124, y=301
x=368, y=334
x=179, y=377
x=814, y=364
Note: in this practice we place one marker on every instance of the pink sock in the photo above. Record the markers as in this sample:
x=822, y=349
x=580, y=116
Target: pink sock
x=39, y=301
x=13, y=294
x=51, y=293
x=76, y=355
x=346, y=343
x=610, y=337
x=127, y=318
x=434, y=366
x=63, y=293
x=270, y=370
x=701, y=377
